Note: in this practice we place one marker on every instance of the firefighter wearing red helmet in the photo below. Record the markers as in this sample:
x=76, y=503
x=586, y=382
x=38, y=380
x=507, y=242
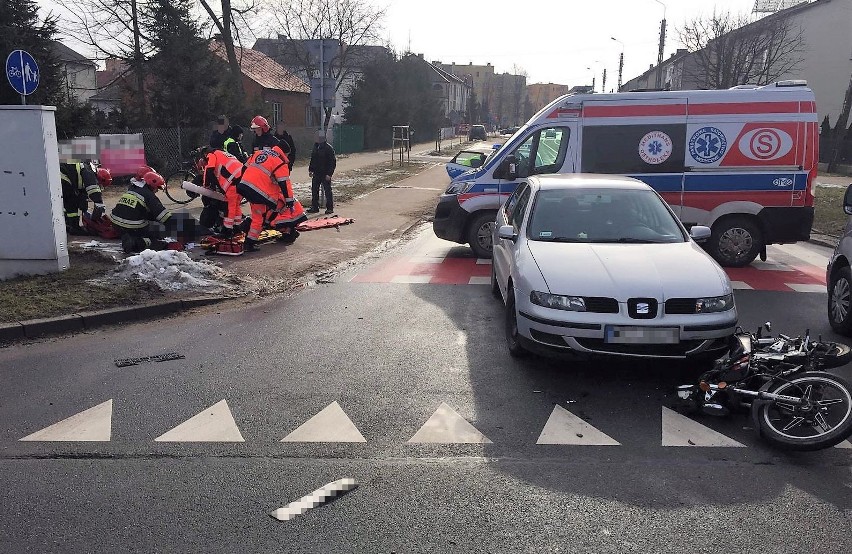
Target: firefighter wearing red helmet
x=138, y=212
x=79, y=185
x=263, y=137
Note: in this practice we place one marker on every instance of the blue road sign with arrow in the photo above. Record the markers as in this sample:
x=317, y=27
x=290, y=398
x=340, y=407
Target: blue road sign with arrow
x=22, y=72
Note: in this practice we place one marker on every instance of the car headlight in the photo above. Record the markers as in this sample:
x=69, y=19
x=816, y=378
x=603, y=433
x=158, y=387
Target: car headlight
x=558, y=301
x=714, y=304
x=461, y=187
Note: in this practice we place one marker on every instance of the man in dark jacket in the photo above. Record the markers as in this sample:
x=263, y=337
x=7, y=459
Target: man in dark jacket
x=321, y=168
x=220, y=133
x=286, y=139
x=263, y=137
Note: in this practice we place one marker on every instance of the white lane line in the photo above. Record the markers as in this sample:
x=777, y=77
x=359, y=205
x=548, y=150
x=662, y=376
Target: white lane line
x=799, y=287
x=563, y=427
x=92, y=425
x=446, y=426
x=411, y=279
x=808, y=255
x=427, y=260
x=741, y=285
x=215, y=424
x=771, y=266
x=316, y=498
x=483, y=261
x=330, y=425
x=679, y=430
x=479, y=281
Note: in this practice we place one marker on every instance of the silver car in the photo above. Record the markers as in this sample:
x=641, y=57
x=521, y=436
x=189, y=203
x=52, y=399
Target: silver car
x=594, y=264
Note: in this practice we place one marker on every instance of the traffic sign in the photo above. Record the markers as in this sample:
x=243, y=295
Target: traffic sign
x=22, y=72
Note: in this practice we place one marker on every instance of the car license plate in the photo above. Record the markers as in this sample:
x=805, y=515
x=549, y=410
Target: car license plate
x=641, y=335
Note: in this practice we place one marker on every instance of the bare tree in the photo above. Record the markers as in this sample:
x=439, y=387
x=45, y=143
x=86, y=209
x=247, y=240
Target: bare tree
x=111, y=28
x=225, y=17
x=728, y=50
x=353, y=24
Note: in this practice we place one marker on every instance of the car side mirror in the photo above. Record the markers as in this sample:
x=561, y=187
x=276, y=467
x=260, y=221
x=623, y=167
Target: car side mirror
x=508, y=168
x=700, y=233
x=847, y=201
x=507, y=232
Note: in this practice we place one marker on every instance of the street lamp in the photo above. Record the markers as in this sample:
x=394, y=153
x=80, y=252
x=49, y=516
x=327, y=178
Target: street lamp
x=620, y=63
x=593, y=78
x=662, y=46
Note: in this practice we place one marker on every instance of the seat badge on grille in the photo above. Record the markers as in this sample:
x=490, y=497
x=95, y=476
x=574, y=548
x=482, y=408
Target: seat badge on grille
x=643, y=308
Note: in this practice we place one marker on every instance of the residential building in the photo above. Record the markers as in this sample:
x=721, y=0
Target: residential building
x=479, y=75
x=509, y=104
x=453, y=91
x=79, y=81
x=286, y=96
x=826, y=59
x=292, y=55
x=542, y=94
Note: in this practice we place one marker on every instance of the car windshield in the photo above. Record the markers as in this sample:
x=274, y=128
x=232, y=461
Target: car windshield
x=631, y=216
x=466, y=157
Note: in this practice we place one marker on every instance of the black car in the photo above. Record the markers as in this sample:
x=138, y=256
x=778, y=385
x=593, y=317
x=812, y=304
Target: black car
x=477, y=132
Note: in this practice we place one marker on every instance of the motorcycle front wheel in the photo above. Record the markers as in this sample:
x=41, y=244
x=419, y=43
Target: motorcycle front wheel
x=822, y=420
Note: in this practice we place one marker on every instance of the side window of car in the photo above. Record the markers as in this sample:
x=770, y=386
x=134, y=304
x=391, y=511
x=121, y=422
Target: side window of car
x=509, y=206
x=551, y=149
x=523, y=153
x=520, y=209
x=521, y=195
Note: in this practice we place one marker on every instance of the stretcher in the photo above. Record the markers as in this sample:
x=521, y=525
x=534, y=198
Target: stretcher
x=234, y=246
x=323, y=223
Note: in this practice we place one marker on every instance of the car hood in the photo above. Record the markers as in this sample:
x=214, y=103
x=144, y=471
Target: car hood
x=622, y=271
x=464, y=176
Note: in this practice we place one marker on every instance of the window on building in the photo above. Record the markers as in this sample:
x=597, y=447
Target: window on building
x=276, y=112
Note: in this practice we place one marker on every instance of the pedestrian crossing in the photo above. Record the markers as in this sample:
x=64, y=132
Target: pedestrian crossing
x=430, y=260
x=332, y=425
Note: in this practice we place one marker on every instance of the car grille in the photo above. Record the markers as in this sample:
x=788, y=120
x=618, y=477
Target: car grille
x=601, y=305
x=679, y=349
x=676, y=306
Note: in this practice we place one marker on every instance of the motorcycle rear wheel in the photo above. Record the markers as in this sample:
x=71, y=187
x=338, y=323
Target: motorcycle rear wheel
x=824, y=421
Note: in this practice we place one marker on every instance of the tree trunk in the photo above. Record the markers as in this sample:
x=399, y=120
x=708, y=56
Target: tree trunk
x=840, y=129
x=138, y=70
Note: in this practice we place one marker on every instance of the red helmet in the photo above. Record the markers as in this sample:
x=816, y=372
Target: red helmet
x=154, y=180
x=142, y=171
x=104, y=177
x=259, y=122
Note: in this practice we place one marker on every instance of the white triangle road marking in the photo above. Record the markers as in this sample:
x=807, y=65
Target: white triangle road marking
x=810, y=287
x=844, y=444
x=215, y=424
x=446, y=426
x=563, y=427
x=92, y=425
x=330, y=425
x=679, y=430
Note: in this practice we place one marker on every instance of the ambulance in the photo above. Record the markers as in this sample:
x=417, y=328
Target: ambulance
x=741, y=161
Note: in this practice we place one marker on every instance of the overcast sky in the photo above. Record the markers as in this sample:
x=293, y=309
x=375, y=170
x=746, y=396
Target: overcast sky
x=553, y=40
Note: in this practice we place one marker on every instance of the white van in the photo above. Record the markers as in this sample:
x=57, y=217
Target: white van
x=740, y=161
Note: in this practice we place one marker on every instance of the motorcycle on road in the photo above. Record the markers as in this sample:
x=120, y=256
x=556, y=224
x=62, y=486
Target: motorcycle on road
x=794, y=404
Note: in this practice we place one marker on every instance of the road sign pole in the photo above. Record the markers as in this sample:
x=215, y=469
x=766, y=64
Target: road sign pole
x=23, y=100
x=322, y=85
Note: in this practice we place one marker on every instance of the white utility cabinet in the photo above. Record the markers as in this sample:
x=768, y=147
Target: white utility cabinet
x=32, y=225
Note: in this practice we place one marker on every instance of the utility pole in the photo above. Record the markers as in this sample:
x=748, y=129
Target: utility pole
x=603, y=81
x=620, y=63
x=662, y=46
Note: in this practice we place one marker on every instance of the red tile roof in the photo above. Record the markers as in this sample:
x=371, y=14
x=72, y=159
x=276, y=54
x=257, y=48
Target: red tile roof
x=262, y=69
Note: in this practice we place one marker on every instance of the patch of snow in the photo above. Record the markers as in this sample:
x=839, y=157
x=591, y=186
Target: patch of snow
x=171, y=270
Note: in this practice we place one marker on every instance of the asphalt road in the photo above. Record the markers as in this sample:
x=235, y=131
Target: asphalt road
x=389, y=345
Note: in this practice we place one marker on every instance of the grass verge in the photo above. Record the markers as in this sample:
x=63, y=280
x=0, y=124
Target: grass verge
x=68, y=292
x=829, y=218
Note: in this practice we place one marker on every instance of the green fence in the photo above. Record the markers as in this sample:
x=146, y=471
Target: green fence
x=348, y=139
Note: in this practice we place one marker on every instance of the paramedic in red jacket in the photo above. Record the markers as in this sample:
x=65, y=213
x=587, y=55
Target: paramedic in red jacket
x=266, y=185
x=222, y=172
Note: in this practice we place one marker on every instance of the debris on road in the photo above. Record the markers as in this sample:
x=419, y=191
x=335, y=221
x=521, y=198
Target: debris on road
x=317, y=498
x=126, y=362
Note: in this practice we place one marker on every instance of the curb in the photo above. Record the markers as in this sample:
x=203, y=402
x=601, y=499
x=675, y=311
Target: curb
x=90, y=320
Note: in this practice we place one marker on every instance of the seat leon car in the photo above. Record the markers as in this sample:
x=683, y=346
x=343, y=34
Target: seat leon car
x=600, y=265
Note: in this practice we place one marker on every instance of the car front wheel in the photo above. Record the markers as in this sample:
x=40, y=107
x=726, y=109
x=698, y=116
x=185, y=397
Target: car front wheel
x=839, y=300
x=513, y=343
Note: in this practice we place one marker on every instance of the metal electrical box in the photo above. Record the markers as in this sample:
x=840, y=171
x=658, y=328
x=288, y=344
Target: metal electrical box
x=32, y=226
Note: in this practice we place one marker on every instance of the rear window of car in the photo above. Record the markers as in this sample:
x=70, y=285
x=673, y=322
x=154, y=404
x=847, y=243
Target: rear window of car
x=603, y=216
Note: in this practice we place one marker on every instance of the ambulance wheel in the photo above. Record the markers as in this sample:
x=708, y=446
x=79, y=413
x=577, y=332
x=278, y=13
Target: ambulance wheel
x=479, y=234
x=735, y=241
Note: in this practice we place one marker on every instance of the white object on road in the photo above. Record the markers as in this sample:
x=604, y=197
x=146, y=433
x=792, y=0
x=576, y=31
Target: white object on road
x=192, y=187
x=563, y=427
x=679, y=430
x=92, y=425
x=446, y=426
x=215, y=424
x=317, y=498
x=330, y=425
